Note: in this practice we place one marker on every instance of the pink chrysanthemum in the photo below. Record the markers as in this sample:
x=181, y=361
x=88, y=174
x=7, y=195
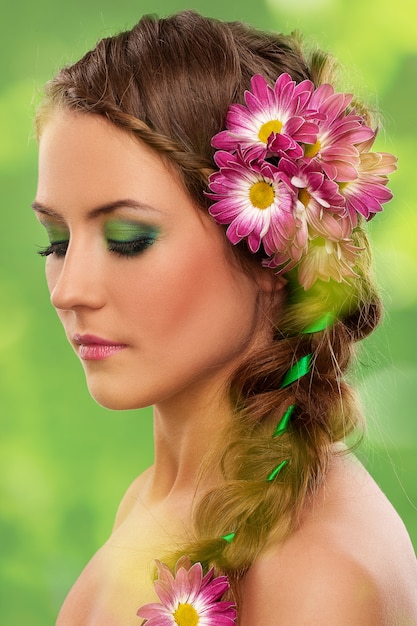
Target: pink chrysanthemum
x=188, y=598
x=339, y=132
x=319, y=203
x=368, y=192
x=327, y=259
x=274, y=119
x=251, y=197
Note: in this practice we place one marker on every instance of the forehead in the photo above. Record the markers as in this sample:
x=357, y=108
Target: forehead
x=86, y=161
x=83, y=147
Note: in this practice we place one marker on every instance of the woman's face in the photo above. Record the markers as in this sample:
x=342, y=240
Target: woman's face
x=143, y=282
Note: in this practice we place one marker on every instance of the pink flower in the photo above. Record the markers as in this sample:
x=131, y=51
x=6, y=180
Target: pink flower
x=188, y=598
x=366, y=194
x=251, y=197
x=274, y=120
x=318, y=204
x=338, y=134
x=327, y=259
x=324, y=257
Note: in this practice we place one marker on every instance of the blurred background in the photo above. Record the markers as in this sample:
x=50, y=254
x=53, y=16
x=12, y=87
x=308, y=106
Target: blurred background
x=64, y=461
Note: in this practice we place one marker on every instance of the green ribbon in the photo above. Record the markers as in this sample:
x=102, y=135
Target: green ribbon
x=229, y=537
x=298, y=370
x=283, y=424
x=277, y=470
x=302, y=367
x=320, y=324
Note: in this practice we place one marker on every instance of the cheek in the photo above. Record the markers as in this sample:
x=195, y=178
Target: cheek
x=52, y=272
x=200, y=300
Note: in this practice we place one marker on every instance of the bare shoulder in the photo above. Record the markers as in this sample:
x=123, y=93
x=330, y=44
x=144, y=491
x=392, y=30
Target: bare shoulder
x=351, y=562
x=324, y=588
x=130, y=498
x=328, y=587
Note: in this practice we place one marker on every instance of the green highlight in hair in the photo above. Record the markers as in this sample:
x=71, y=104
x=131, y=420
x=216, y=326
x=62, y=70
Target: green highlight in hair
x=229, y=537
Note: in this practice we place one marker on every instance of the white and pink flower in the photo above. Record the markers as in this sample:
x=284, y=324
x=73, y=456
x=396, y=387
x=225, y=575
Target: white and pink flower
x=366, y=194
x=339, y=132
x=188, y=598
x=253, y=199
x=327, y=259
x=278, y=115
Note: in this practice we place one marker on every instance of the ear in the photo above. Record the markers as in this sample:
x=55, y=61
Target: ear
x=268, y=281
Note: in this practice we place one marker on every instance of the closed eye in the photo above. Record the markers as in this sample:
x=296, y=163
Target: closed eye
x=58, y=248
x=130, y=248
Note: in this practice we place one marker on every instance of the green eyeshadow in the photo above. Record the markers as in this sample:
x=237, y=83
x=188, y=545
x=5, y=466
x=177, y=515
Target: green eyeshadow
x=121, y=230
x=55, y=233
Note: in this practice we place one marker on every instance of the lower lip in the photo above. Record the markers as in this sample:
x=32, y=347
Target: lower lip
x=97, y=352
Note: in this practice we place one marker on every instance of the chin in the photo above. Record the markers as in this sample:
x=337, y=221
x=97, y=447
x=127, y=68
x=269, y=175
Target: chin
x=116, y=403
x=114, y=399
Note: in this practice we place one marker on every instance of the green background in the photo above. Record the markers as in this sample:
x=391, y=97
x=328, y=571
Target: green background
x=64, y=461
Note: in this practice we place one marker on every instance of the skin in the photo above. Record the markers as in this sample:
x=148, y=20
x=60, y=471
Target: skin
x=186, y=316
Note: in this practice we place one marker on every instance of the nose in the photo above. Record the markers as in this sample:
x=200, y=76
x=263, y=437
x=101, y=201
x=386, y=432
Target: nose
x=76, y=281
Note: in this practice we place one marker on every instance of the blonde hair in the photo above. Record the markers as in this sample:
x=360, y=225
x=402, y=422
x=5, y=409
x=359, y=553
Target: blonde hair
x=170, y=83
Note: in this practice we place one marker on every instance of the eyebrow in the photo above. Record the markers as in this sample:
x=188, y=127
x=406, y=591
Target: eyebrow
x=108, y=207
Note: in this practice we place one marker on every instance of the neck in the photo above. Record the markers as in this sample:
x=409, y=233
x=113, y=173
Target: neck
x=186, y=428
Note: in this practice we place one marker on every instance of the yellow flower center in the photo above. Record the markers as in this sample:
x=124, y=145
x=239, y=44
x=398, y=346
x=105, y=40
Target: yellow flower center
x=261, y=195
x=304, y=196
x=186, y=615
x=273, y=126
x=310, y=150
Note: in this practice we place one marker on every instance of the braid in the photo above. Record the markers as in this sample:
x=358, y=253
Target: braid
x=193, y=168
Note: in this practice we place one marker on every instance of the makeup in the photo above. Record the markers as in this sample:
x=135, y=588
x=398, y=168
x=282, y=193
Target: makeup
x=128, y=238
x=58, y=238
x=92, y=348
x=123, y=237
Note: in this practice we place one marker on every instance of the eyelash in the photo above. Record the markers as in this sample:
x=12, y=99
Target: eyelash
x=121, y=248
x=129, y=248
x=58, y=248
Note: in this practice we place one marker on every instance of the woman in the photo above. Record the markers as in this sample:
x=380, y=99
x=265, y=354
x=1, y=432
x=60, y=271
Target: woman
x=148, y=145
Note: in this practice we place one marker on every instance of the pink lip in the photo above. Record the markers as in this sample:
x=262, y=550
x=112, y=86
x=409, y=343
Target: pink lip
x=93, y=348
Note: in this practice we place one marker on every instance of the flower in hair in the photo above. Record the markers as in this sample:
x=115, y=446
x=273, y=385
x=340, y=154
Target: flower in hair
x=295, y=172
x=188, y=598
x=315, y=194
x=339, y=133
x=252, y=199
x=365, y=194
x=279, y=114
x=327, y=259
